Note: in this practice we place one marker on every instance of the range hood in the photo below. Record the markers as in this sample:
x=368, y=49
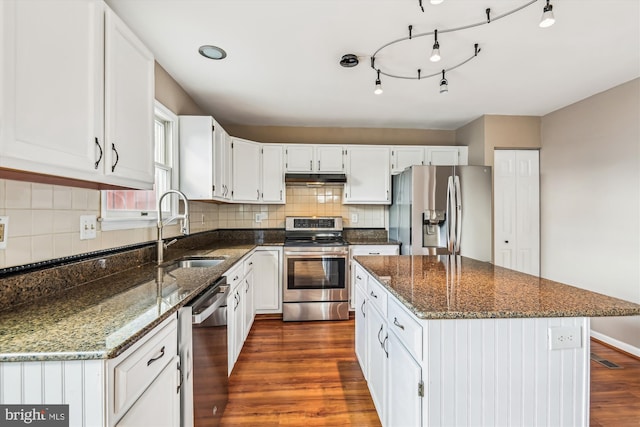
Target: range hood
x=314, y=178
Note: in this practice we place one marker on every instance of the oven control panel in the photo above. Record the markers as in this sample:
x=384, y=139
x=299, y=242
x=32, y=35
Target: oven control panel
x=324, y=223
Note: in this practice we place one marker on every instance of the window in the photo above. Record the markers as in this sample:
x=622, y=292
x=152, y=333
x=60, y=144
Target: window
x=121, y=209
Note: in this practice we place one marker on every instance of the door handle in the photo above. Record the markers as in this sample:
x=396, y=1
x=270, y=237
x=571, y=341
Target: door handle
x=153, y=359
x=395, y=322
x=113, y=167
x=362, y=309
x=100, y=157
x=373, y=295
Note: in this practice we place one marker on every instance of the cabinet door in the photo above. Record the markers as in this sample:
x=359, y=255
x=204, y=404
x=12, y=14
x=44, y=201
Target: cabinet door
x=403, y=157
x=272, y=174
x=196, y=156
x=51, y=85
x=129, y=97
x=267, y=290
x=245, y=170
x=442, y=156
x=361, y=329
x=160, y=403
x=405, y=386
x=299, y=158
x=248, y=310
x=377, y=360
x=329, y=158
x=368, y=175
x=221, y=163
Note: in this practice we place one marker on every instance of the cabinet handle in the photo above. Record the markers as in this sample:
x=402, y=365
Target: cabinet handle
x=150, y=361
x=258, y=195
x=180, y=377
x=379, y=332
x=280, y=194
x=384, y=347
x=374, y=253
x=247, y=289
x=506, y=241
x=318, y=164
x=373, y=295
x=99, y=158
x=358, y=277
x=310, y=165
x=113, y=147
x=235, y=278
x=362, y=309
x=395, y=322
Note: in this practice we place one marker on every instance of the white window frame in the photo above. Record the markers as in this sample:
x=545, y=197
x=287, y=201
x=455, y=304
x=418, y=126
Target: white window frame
x=111, y=220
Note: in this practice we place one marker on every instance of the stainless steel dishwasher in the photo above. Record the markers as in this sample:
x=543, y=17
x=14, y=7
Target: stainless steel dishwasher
x=203, y=356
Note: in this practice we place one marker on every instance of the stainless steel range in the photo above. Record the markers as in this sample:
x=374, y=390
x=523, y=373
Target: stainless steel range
x=315, y=263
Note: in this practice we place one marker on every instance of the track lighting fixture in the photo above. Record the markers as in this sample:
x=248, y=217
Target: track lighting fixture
x=435, y=53
x=547, y=19
x=378, y=89
x=444, y=85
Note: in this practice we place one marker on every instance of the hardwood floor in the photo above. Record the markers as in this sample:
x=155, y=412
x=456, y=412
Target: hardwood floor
x=306, y=374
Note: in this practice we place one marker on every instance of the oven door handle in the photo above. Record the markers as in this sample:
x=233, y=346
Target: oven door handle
x=317, y=254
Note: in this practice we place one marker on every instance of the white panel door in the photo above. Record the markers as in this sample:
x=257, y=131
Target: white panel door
x=516, y=210
x=129, y=106
x=445, y=156
x=403, y=157
x=299, y=158
x=377, y=360
x=368, y=175
x=361, y=328
x=405, y=381
x=267, y=290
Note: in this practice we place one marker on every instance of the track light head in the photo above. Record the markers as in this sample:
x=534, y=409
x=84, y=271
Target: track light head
x=378, y=89
x=444, y=85
x=435, y=53
x=547, y=19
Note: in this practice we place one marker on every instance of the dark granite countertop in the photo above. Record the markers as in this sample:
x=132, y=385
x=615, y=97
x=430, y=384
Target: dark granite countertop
x=446, y=287
x=102, y=318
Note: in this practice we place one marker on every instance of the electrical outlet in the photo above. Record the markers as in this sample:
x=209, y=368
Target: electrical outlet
x=260, y=217
x=88, y=227
x=565, y=337
x=354, y=218
x=4, y=231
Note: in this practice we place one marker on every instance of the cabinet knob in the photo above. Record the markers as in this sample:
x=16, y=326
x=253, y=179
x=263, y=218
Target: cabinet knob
x=506, y=241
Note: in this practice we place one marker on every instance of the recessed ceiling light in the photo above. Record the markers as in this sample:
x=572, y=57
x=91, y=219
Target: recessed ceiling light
x=212, y=52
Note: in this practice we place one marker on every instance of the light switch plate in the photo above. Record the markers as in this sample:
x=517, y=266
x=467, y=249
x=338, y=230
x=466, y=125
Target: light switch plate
x=354, y=218
x=4, y=231
x=562, y=337
x=88, y=226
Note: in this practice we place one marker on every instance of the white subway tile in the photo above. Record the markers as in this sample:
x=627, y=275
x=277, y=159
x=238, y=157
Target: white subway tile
x=20, y=224
x=42, y=222
x=61, y=197
x=79, y=199
x=18, y=251
x=42, y=247
x=41, y=196
x=65, y=221
x=18, y=195
x=3, y=192
x=62, y=245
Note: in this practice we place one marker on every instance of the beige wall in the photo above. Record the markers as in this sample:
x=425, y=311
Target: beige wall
x=590, y=201
x=315, y=135
x=472, y=135
x=170, y=94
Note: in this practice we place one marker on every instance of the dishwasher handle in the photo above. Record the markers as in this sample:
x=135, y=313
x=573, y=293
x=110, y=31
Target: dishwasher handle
x=209, y=302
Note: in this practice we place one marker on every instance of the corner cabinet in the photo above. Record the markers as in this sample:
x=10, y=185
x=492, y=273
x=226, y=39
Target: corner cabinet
x=267, y=263
x=88, y=114
x=368, y=175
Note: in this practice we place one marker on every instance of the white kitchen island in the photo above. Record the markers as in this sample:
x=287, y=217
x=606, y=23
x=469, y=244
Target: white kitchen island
x=451, y=341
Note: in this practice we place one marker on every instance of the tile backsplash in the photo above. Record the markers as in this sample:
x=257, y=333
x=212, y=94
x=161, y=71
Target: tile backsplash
x=44, y=220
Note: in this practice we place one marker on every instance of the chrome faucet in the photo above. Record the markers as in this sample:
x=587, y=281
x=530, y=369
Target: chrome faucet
x=184, y=223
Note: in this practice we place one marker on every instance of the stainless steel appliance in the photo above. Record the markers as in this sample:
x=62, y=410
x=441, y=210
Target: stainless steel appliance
x=442, y=210
x=315, y=264
x=203, y=356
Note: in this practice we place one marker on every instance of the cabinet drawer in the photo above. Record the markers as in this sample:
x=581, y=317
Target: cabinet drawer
x=374, y=250
x=247, y=264
x=406, y=328
x=234, y=276
x=377, y=295
x=360, y=278
x=134, y=374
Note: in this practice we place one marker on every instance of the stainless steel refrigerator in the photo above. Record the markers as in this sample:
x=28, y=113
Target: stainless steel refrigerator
x=442, y=210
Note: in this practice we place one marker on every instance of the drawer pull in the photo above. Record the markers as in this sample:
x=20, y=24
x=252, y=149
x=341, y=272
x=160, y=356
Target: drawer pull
x=395, y=322
x=374, y=295
x=150, y=361
x=358, y=277
x=374, y=253
x=362, y=309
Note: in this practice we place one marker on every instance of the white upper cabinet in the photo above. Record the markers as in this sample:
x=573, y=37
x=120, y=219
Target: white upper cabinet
x=446, y=155
x=368, y=175
x=314, y=158
x=52, y=96
x=246, y=170
x=272, y=183
x=129, y=104
x=55, y=71
x=404, y=156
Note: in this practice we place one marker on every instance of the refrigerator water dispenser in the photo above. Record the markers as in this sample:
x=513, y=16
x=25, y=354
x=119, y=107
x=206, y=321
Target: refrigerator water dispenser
x=434, y=228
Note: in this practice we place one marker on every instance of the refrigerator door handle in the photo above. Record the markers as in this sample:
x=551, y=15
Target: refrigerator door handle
x=458, y=202
x=451, y=216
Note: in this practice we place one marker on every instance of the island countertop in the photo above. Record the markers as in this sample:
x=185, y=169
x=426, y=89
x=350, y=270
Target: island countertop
x=455, y=287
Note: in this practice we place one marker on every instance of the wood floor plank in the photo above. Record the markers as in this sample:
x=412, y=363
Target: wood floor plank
x=306, y=374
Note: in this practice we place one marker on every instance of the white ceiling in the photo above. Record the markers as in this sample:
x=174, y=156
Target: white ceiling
x=282, y=67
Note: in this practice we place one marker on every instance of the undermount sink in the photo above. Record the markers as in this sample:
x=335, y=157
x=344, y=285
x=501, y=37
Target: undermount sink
x=201, y=262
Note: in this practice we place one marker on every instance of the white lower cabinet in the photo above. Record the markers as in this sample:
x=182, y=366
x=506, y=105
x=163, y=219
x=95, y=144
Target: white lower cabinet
x=377, y=360
x=148, y=411
x=405, y=387
x=361, y=329
x=267, y=262
x=359, y=250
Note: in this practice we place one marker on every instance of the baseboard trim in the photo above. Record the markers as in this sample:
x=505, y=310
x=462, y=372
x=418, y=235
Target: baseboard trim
x=616, y=344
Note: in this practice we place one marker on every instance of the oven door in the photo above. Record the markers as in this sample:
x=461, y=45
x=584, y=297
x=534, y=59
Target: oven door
x=315, y=276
